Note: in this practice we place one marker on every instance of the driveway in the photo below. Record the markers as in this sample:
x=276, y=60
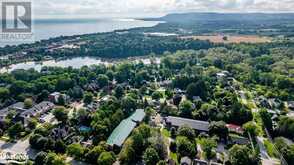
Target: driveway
x=75, y=106
x=20, y=147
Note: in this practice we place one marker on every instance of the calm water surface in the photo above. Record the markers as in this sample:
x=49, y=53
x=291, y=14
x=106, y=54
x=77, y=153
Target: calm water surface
x=76, y=63
x=50, y=28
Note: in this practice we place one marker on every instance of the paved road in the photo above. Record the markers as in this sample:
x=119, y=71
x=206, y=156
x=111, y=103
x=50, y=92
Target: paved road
x=263, y=152
x=265, y=158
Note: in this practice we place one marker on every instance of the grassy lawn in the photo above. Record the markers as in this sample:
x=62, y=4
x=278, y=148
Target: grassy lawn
x=26, y=137
x=166, y=133
x=251, y=105
x=174, y=157
x=259, y=122
x=270, y=149
x=4, y=138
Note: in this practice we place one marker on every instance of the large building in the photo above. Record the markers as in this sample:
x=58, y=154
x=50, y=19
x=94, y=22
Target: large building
x=125, y=128
x=198, y=125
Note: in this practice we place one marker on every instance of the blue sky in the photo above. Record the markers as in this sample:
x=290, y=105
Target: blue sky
x=142, y=8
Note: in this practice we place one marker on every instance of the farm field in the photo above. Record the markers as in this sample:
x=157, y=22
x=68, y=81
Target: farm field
x=231, y=39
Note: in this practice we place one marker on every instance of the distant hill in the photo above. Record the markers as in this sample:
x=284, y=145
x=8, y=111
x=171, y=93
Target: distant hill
x=194, y=17
x=255, y=23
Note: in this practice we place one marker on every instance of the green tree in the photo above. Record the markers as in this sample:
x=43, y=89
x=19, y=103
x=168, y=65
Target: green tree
x=15, y=130
x=156, y=95
x=4, y=93
x=119, y=91
x=208, y=145
x=61, y=114
x=177, y=99
x=60, y=146
x=185, y=147
x=128, y=104
x=127, y=155
x=242, y=155
x=162, y=162
x=150, y=156
x=199, y=88
x=32, y=123
x=102, y=80
x=76, y=150
x=54, y=159
x=61, y=100
x=40, y=158
x=186, y=108
x=286, y=150
x=33, y=140
x=138, y=143
x=28, y=103
x=266, y=119
x=252, y=128
x=88, y=98
x=187, y=132
x=219, y=128
x=64, y=84
x=93, y=155
x=106, y=158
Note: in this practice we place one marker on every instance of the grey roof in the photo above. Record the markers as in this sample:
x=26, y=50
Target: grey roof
x=17, y=106
x=138, y=116
x=195, y=124
x=124, y=129
x=186, y=161
x=39, y=108
x=121, y=132
x=291, y=104
x=44, y=106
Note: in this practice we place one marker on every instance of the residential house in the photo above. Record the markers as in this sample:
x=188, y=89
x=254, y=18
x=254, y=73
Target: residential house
x=53, y=97
x=165, y=83
x=222, y=75
x=93, y=106
x=271, y=103
x=233, y=139
x=36, y=110
x=235, y=128
x=17, y=108
x=91, y=86
x=22, y=114
x=61, y=132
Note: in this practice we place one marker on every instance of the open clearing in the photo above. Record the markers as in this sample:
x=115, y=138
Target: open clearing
x=231, y=39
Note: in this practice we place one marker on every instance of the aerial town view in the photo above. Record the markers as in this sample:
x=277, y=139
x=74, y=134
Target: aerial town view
x=149, y=82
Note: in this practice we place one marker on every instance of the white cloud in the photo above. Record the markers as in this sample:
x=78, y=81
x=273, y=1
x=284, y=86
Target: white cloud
x=129, y=7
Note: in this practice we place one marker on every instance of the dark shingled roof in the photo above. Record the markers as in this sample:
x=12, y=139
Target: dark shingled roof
x=195, y=124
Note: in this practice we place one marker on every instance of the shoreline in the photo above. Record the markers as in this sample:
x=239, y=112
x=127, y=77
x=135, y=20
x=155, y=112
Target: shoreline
x=100, y=61
x=3, y=45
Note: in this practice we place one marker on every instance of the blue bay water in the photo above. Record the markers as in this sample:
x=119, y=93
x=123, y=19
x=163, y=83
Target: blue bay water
x=50, y=28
